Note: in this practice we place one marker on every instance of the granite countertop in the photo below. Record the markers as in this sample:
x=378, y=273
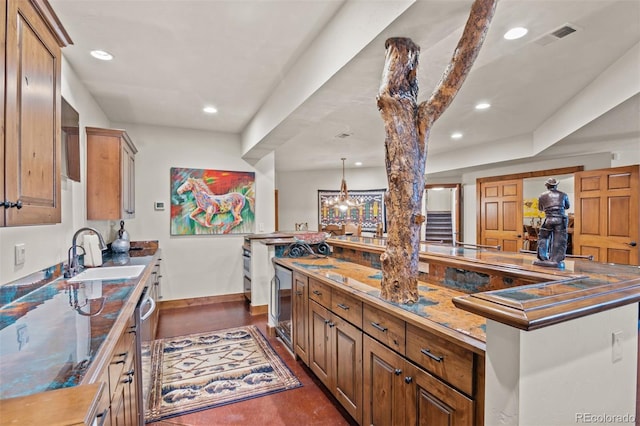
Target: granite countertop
x=581, y=288
x=434, y=305
x=45, y=342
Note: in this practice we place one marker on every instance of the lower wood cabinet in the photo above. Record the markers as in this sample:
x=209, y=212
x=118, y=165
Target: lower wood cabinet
x=383, y=370
x=335, y=356
x=120, y=408
x=398, y=392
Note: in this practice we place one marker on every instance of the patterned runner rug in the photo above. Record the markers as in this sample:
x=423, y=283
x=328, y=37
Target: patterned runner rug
x=206, y=370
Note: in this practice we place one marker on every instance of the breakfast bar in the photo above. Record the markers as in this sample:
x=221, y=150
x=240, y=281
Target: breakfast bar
x=489, y=330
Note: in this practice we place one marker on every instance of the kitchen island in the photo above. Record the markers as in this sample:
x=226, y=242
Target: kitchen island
x=475, y=309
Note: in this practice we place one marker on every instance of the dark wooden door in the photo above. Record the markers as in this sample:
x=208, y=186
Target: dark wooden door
x=500, y=214
x=32, y=118
x=431, y=402
x=346, y=348
x=384, y=386
x=319, y=342
x=607, y=215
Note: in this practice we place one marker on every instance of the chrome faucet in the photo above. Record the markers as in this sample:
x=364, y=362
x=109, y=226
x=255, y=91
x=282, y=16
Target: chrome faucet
x=73, y=266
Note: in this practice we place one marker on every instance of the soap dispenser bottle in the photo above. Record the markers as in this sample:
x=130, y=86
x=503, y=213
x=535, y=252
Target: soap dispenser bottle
x=122, y=244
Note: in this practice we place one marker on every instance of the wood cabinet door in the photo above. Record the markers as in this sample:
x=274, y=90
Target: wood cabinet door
x=300, y=315
x=320, y=343
x=432, y=402
x=606, y=215
x=384, y=388
x=3, y=32
x=500, y=214
x=32, y=126
x=346, y=349
x=128, y=182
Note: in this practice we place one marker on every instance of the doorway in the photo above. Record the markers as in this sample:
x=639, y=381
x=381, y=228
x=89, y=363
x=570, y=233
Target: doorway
x=443, y=207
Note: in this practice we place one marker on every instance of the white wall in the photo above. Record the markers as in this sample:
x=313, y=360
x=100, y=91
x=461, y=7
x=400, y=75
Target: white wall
x=193, y=266
x=298, y=191
x=542, y=378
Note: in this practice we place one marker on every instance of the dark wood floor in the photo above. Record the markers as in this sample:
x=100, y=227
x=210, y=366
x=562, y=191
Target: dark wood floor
x=306, y=405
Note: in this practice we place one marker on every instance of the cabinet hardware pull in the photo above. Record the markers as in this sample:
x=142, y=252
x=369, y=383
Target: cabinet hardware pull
x=316, y=292
x=102, y=417
x=345, y=307
x=128, y=380
x=398, y=372
x=298, y=293
x=633, y=244
x=130, y=372
x=118, y=362
x=331, y=325
x=123, y=354
x=327, y=321
x=408, y=379
x=428, y=353
x=379, y=327
x=8, y=204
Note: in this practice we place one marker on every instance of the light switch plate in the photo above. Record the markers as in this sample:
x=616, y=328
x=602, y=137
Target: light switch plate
x=21, y=253
x=616, y=346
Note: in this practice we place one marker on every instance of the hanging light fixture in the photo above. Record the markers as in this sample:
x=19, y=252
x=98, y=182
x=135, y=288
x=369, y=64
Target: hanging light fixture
x=342, y=201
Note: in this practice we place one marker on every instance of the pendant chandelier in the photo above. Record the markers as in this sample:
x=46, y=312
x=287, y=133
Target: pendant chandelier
x=342, y=201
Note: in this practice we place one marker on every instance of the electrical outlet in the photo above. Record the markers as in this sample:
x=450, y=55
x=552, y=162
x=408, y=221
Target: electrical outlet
x=616, y=346
x=21, y=252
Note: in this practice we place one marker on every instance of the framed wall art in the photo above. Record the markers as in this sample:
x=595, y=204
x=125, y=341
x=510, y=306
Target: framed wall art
x=368, y=214
x=210, y=202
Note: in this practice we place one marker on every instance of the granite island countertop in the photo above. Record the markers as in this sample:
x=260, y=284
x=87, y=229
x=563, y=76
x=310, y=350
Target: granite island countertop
x=434, y=307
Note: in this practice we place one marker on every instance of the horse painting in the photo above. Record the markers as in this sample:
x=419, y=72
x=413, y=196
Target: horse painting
x=209, y=204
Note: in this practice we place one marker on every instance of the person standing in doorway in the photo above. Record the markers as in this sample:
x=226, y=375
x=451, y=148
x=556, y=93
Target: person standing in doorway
x=552, y=236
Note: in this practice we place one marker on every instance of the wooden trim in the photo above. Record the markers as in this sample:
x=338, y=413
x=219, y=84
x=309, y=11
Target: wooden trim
x=537, y=173
x=259, y=309
x=553, y=309
x=271, y=331
x=52, y=21
x=199, y=301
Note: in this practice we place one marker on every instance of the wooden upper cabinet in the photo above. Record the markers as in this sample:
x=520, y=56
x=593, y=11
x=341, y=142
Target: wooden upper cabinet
x=110, y=174
x=31, y=139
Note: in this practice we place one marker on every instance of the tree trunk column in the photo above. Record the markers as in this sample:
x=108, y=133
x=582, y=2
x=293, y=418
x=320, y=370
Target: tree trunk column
x=405, y=162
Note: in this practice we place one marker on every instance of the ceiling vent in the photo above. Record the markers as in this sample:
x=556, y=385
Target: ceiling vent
x=557, y=34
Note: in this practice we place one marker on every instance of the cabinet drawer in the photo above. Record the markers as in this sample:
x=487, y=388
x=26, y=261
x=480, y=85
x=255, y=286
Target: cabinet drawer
x=347, y=306
x=441, y=357
x=320, y=292
x=384, y=327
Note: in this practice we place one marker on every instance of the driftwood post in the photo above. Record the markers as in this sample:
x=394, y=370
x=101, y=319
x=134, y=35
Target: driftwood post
x=407, y=127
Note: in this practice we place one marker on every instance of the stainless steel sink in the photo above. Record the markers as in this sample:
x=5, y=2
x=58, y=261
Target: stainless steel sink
x=108, y=273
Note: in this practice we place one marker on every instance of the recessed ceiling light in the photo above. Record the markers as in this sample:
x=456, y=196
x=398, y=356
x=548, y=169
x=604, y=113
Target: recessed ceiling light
x=456, y=135
x=515, y=33
x=358, y=163
x=103, y=55
x=210, y=109
x=483, y=105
